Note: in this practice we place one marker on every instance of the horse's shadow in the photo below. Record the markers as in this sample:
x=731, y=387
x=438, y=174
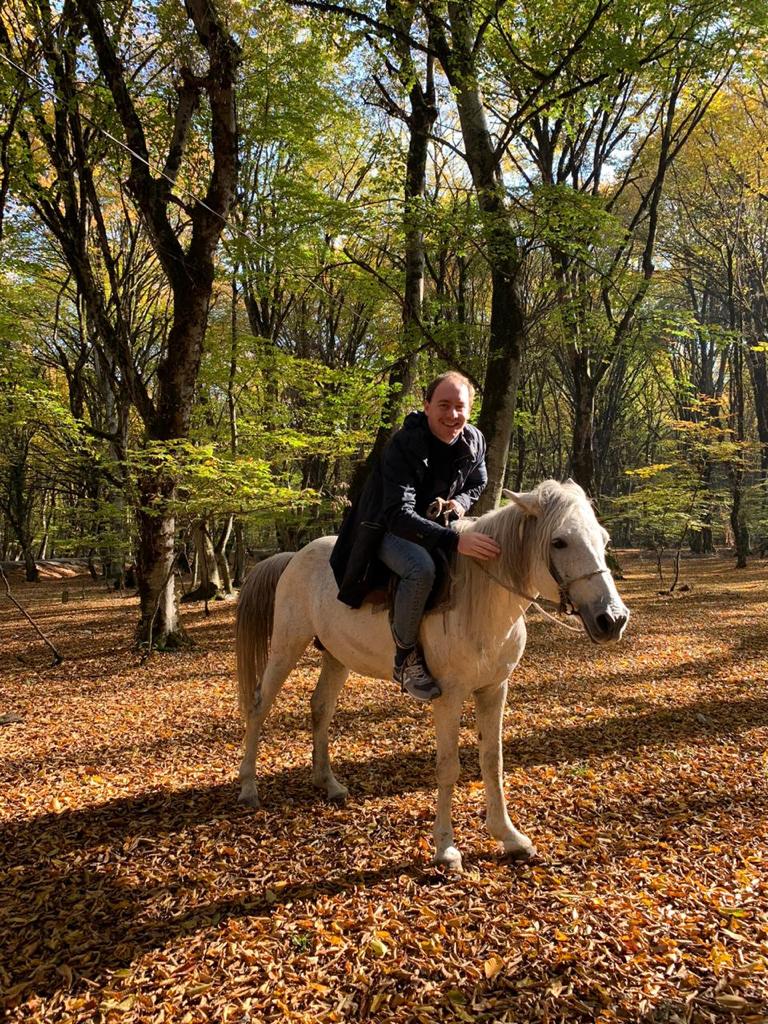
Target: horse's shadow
x=393, y=774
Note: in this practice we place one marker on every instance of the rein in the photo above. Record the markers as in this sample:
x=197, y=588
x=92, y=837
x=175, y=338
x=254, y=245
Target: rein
x=566, y=607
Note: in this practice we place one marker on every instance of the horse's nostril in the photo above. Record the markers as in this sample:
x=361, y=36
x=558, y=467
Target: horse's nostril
x=610, y=625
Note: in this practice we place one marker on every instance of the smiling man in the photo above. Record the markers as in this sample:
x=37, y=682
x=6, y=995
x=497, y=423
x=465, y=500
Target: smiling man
x=436, y=454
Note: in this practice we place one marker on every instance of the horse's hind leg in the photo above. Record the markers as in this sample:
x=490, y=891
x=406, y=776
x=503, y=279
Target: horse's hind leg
x=281, y=661
x=332, y=678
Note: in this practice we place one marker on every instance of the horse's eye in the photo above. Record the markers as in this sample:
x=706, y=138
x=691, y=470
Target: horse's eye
x=558, y=543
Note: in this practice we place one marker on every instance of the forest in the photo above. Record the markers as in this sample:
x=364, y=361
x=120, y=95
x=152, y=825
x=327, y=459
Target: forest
x=238, y=240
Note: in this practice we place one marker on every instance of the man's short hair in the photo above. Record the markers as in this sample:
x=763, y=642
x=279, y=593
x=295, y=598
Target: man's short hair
x=450, y=375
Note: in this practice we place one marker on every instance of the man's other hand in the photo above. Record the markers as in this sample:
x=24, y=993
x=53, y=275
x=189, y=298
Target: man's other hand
x=478, y=545
x=457, y=509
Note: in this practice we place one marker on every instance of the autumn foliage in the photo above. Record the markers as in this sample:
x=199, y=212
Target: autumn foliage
x=136, y=889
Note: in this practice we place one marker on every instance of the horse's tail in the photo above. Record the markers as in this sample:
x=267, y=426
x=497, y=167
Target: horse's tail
x=253, y=629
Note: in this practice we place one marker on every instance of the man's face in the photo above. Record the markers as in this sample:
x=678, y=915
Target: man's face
x=448, y=411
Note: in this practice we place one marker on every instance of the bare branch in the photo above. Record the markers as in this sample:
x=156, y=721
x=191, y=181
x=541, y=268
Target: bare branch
x=57, y=657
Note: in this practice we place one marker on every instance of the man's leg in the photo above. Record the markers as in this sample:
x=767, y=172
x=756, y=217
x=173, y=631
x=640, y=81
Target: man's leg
x=416, y=570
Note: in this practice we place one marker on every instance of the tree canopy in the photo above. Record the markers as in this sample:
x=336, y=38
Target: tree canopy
x=237, y=240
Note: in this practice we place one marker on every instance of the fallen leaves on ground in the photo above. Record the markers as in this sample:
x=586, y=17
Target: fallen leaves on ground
x=136, y=889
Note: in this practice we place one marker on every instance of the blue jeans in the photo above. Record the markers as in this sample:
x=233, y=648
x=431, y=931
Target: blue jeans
x=414, y=565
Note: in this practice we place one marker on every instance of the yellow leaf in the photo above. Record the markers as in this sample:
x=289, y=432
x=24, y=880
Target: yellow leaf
x=196, y=990
x=493, y=966
x=376, y=1002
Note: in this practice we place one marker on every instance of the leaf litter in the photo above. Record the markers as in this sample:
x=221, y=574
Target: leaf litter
x=135, y=888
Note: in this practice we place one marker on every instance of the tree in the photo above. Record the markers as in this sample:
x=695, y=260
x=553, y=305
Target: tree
x=184, y=246
x=713, y=236
x=654, y=73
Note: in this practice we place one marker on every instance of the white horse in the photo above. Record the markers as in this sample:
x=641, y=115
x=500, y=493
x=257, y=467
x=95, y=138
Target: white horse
x=551, y=545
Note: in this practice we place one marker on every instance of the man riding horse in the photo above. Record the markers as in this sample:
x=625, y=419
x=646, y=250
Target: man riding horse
x=432, y=468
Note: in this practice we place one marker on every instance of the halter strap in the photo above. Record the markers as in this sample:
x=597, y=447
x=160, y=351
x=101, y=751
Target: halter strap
x=566, y=607
x=531, y=600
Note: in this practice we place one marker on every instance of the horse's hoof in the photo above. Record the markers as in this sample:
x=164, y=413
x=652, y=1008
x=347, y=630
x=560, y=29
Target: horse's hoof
x=249, y=800
x=450, y=859
x=521, y=854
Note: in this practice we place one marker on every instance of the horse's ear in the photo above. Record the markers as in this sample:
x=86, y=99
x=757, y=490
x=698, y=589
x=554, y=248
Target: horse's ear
x=529, y=503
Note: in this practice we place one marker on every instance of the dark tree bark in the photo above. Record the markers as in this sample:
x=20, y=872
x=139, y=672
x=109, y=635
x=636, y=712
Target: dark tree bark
x=757, y=363
x=420, y=120
x=238, y=576
x=457, y=54
x=573, y=150
x=17, y=499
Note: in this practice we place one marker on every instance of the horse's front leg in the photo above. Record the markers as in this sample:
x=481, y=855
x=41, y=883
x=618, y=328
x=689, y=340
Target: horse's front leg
x=447, y=716
x=489, y=704
x=333, y=675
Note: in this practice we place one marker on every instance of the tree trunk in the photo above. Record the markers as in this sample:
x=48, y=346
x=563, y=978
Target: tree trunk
x=739, y=527
x=239, y=575
x=47, y=515
x=159, y=623
x=522, y=453
x=501, y=379
x=208, y=578
x=18, y=507
x=423, y=114
x=189, y=271
x=583, y=452
x=507, y=327
x=757, y=362
x=226, y=576
x=32, y=574
x=702, y=541
x=220, y=551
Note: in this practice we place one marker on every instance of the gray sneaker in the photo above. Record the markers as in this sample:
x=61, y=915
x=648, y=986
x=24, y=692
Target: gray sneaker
x=414, y=678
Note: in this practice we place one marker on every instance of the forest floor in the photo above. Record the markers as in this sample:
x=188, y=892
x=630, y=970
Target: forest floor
x=134, y=888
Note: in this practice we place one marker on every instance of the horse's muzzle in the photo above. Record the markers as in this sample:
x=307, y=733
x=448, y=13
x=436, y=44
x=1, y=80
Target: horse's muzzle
x=604, y=625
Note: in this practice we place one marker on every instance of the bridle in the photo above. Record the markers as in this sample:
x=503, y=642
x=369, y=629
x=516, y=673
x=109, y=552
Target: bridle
x=566, y=606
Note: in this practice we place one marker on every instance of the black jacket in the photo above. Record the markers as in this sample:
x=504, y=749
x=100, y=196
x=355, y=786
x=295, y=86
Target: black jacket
x=395, y=498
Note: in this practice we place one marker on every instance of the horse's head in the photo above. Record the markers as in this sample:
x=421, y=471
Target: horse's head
x=567, y=565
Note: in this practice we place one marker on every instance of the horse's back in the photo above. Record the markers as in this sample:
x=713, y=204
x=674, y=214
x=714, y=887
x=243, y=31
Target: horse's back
x=361, y=639
x=313, y=559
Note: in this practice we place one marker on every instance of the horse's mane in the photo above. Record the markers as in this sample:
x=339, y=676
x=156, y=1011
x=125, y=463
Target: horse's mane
x=524, y=541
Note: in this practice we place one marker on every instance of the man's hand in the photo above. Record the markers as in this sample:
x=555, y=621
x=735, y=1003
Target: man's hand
x=444, y=512
x=478, y=545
